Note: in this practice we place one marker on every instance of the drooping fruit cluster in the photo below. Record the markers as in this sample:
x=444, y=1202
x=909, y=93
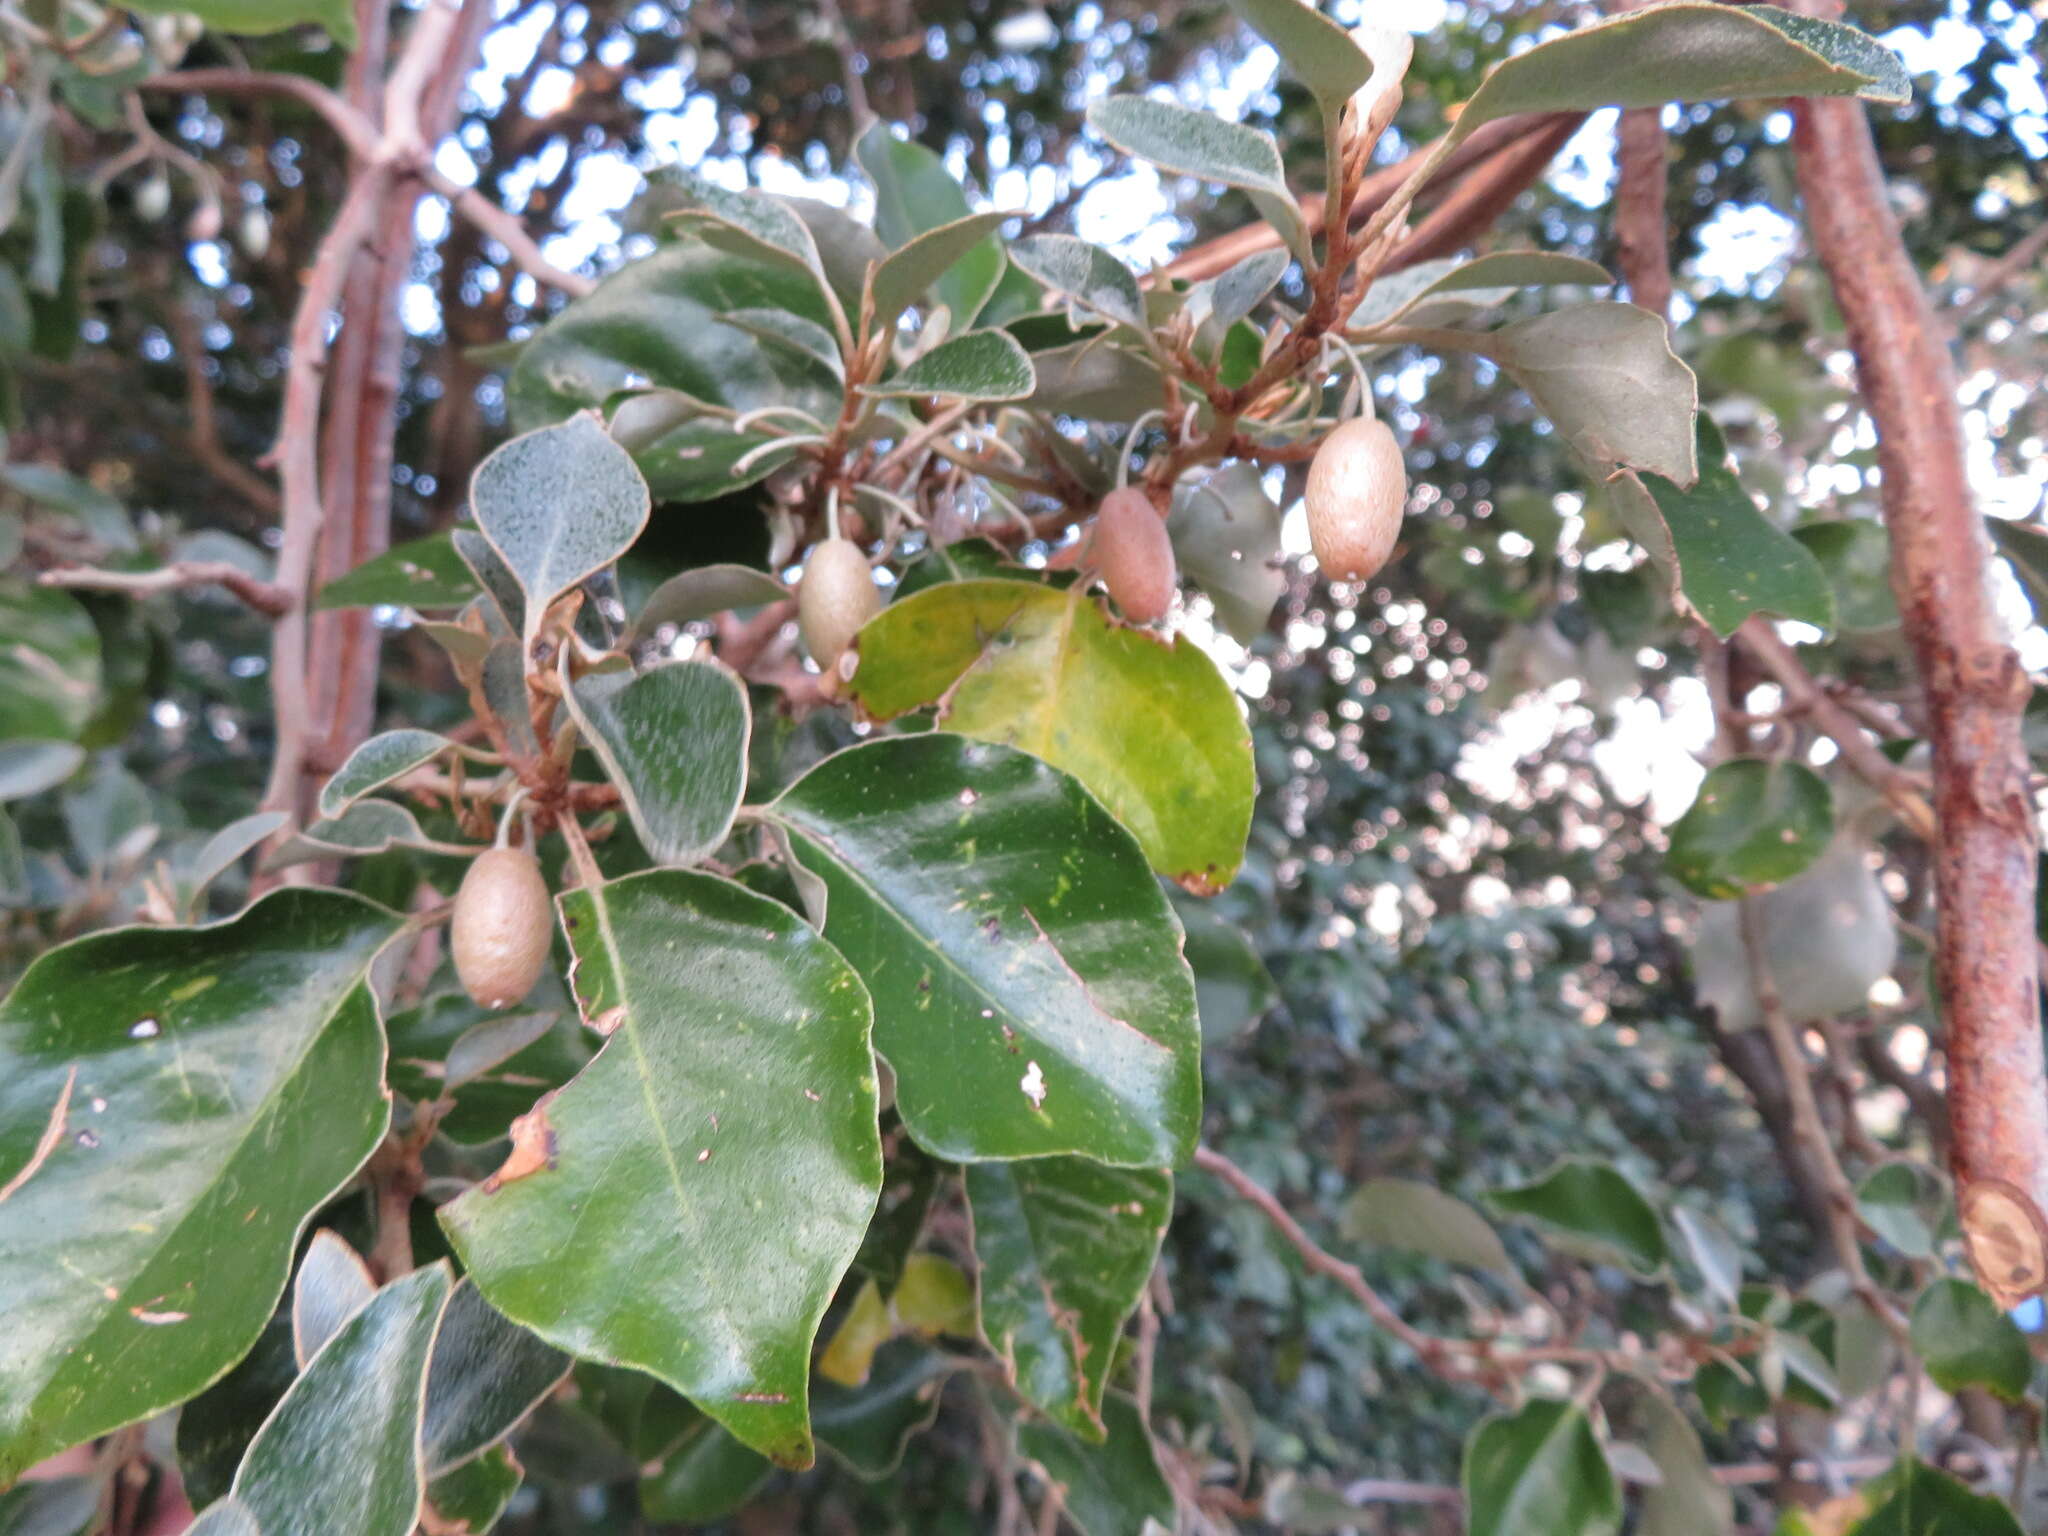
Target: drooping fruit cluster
x=1357, y=486
x=836, y=596
x=501, y=927
x=1135, y=556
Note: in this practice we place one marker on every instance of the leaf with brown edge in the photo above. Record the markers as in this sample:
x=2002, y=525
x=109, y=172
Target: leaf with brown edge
x=713, y=1168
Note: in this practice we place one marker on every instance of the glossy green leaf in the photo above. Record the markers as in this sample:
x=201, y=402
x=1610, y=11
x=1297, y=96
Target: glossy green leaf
x=1755, y=822
x=1855, y=555
x=1925, y=1502
x=1829, y=936
x=1065, y=1247
x=1686, y=51
x=259, y=16
x=1233, y=988
x=1113, y=1488
x=915, y=193
x=1029, y=987
x=1727, y=558
x=1964, y=1340
x=558, y=505
x=1605, y=375
x=702, y=593
x=673, y=739
x=705, y=1477
x=981, y=365
x=473, y=1496
x=1420, y=1218
x=333, y=1285
x=386, y=756
x=658, y=324
x=486, y=1375
x=723, y=1142
x=49, y=664
x=1148, y=724
x=1593, y=1207
x=425, y=574
x=29, y=767
x=1226, y=535
x=1539, y=1469
x=209, y=1087
x=341, y=1452
x=1901, y=1203
x=902, y=277
x=1191, y=143
x=1085, y=273
x=868, y=1427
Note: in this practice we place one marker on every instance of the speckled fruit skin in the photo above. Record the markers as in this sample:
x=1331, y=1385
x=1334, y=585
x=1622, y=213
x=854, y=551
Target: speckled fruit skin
x=1357, y=485
x=502, y=927
x=1135, y=555
x=837, y=596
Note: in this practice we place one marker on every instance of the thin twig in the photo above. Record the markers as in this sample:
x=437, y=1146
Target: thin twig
x=507, y=230
x=1454, y=1359
x=1804, y=696
x=1843, y=1227
x=356, y=130
x=266, y=597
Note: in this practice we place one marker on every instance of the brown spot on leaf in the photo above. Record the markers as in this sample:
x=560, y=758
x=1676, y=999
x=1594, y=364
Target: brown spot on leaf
x=533, y=1149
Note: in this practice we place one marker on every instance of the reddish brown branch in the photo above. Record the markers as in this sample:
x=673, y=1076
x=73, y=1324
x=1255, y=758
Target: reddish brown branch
x=1759, y=639
x=1226, y=251
x=1642, y=238
x=1976, y=691
x=1483, y=194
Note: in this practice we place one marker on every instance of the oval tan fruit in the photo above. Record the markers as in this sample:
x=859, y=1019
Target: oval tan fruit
x=1135, y=555
x=1357, y=486
x=502, y=927
x=837, y=596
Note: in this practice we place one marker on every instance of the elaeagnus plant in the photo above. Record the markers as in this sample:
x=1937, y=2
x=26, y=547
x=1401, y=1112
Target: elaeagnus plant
x=787, y=1022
